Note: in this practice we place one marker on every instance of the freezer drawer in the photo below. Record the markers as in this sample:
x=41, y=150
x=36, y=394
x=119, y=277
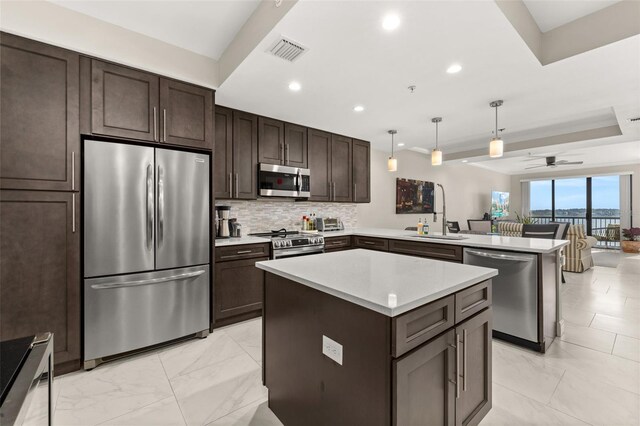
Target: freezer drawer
x=514, y=290
x=129, y=312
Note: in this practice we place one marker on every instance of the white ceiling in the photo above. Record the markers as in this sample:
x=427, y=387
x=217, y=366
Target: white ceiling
x=550, y=14
x=597, y=156
x=352, y=60
x=204, y=27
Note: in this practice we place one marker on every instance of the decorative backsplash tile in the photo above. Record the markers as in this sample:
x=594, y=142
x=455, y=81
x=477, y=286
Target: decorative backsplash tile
x=267, y=215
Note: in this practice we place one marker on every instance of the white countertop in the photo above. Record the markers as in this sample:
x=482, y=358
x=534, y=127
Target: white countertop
x=241, y=240
x=371, y=278
x=497, y=242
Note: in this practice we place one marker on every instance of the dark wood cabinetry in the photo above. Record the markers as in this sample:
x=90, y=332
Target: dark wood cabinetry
x=341, y=168
x=39, y=99
x=320, y=165
x=238, y=286
x=245, y=155
x=361, y=171
x=295, y=145
x=337, y=243
x=223, y=153
x=430, y=250
x=39, y=269
x=133, y=104
x=370, y=243
x=271, y=141
x=187, y=114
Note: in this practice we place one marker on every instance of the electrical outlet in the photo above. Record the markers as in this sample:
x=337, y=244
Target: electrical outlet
x=332, y=349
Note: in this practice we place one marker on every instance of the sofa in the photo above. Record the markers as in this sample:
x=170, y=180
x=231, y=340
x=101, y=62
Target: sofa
x=578, y=252
x=510, y=229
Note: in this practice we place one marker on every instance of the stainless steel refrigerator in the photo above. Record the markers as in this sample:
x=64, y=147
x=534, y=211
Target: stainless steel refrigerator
x=146, y=247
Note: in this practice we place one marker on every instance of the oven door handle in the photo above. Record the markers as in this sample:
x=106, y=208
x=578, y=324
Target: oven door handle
x=297, y=251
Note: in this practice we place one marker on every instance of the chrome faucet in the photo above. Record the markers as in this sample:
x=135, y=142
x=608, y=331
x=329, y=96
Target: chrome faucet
x=444, y=212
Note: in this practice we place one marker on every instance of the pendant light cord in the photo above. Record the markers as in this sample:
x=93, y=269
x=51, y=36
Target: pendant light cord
x=436, y=135
x=497, y=121
x=392, y=145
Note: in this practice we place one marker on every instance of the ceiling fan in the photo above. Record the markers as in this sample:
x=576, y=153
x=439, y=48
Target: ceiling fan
x=551, y=162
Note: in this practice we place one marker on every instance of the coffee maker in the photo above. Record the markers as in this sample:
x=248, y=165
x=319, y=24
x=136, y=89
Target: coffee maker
x=222, y=221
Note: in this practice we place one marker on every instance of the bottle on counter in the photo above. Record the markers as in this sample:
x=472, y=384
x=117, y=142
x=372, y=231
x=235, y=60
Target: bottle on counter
x=425, y=228
x=420, y=227
x=304, y=223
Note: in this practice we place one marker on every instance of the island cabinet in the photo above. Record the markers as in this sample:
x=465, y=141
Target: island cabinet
x=431, y=250
x=134, y=104
x=238, y=284
x=328, y=360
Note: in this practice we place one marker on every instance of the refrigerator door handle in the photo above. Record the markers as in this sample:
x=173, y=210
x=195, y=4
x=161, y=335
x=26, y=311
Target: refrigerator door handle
x=149, y=281
x=150, y=207
x=160, y=206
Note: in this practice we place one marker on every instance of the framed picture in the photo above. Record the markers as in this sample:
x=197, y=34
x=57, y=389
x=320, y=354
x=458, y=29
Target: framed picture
x=414, y=196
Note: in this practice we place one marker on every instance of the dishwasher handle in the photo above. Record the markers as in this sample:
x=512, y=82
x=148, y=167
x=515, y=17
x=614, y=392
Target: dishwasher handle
x=499, y=256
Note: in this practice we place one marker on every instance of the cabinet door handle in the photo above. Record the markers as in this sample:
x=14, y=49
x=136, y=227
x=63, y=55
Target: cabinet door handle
x=286, y=147
x=282, y=153
x=334, y=191
x=369, y=243
x=155, y=124
x=73, y=213
x=73, y=170
x=457, y=366
x=464, y=359
x=237, y=190
x=243, y=251
x=230, y=185
x=164, y=124
x=355, y=189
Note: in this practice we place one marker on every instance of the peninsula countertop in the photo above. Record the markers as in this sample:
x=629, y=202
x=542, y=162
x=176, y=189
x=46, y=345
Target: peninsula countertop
x=497, y=242
x=388, y=283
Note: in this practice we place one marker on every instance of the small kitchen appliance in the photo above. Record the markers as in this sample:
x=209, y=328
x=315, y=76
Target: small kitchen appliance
x=222, y=218
x=324, y=224
x=283, y=181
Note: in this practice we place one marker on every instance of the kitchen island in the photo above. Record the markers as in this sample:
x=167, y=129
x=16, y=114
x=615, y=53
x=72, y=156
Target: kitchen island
x=371, y=338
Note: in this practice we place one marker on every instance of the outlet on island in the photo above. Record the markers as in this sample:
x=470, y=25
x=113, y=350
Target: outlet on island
x=332, y=349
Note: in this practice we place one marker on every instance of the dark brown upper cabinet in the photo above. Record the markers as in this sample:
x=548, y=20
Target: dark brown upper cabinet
x=39, y=99
x=245, y=155
x=223, y=153
x=124, y=102
x=295, y=145
x=40, y=270
x=271, y=141
x=133, y=104
x=361, y=171
x=341, y=168
x=187, y=113
x=320, y=165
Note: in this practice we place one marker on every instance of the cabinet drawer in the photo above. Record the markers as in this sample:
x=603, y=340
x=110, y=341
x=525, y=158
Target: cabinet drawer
x=337, y=243
x=436, y=251
x=371, y=243
x=416, y=327
x=472, y=300
x=245, y=251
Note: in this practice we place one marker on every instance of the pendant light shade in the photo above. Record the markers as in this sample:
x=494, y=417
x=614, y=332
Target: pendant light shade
x=392, y=162
x=436, y=154
x=496, y=146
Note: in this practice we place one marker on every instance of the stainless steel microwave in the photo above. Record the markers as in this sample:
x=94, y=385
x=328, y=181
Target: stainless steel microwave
x=283, y=181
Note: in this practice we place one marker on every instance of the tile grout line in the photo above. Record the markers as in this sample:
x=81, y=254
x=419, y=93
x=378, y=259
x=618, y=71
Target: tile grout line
x=615, y=339
x=172, y=390
x=559, y=410
x=234, y=411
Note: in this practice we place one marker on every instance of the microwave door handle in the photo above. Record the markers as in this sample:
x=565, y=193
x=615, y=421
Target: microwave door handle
x=299, y=181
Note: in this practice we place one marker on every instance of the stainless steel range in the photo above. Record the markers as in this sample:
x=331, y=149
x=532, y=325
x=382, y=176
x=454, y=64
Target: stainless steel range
x=293, y=243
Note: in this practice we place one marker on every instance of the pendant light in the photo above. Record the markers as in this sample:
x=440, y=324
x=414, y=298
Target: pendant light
x=496, y=146
x=392, y=163
x=436, y=154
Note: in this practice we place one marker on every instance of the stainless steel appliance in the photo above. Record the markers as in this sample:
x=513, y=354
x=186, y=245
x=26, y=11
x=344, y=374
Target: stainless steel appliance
x=26, y=379
x=515, y=293
x=222, y=221
x=146, y=247
x=283, y=181
x=293, y=243
x=324, y=224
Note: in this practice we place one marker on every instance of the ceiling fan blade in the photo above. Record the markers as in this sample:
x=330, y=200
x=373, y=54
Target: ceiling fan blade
x=535, y=167
x=568, y=163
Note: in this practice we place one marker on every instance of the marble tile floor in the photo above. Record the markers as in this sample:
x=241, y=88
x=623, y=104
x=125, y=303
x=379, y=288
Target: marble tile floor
x=590, y=376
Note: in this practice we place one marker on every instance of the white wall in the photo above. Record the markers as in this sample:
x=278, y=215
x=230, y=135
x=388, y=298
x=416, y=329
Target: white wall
x=468, y=190
x=53, y=24
x=516, y=190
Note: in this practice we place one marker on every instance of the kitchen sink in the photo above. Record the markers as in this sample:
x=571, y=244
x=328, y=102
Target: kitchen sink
x=441, y=237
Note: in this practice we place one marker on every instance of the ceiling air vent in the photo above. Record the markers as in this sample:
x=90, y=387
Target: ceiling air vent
x=287, y=49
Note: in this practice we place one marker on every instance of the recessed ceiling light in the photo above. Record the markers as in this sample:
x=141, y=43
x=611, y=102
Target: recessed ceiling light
x=454, y=68
x=294, y=86
x=400, y=144
x=465, y=161
x=391, y=22
x=358, y=108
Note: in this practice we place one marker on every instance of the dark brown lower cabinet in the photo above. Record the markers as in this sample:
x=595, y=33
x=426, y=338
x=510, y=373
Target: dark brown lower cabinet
x=39, y=270
x=238, y=289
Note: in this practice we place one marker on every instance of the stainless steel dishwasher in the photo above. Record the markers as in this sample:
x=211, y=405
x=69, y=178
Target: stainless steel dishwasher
x=515, y=293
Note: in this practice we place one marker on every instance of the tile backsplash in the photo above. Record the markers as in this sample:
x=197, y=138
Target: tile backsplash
x=266, y=215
